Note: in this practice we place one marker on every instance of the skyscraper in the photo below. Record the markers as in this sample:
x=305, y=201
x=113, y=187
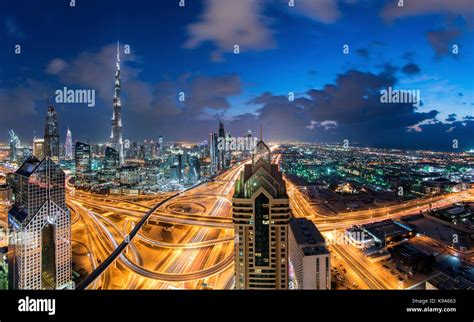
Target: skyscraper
x=15, y=145
x=214, y=152
x=51, y=135
x=68, y=145
x=261, y=214
x=112, y=159
x=160, y=144
x=82, y=156
x=41, y=225
x=38, y=148
x=116, y=141
x=222, y=150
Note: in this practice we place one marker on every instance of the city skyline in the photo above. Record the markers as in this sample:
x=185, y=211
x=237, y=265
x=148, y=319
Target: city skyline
x=337, y=95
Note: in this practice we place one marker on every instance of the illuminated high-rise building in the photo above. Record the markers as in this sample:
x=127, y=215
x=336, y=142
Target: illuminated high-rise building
x=160, y=144
x=15, y=145
x=68, y=145
x=221, y=148
x=116, y=141
x=38, y=148
x=261, y=214
x=112, y=159
x=214, y=152
x=51, y=135
x=40, y=252
x=82, y=157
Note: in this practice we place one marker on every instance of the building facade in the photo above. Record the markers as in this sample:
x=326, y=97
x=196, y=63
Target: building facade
x=68, y=153
x=82, y=157
x=309, y=256
x=51, y=135
x=261, y=215
x=41, y=225
x=38, y=148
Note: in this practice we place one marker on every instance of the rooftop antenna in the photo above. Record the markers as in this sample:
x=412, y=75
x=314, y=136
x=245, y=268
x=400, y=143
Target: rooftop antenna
x=261, y=131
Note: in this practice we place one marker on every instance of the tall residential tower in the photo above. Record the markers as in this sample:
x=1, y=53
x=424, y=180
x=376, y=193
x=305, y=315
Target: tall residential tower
x=261, y=214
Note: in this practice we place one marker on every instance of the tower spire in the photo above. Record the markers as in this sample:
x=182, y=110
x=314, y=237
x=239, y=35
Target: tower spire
x=118, y=51
x=261, y=132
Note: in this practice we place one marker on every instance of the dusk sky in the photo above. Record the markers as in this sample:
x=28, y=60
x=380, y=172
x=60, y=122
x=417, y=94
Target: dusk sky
x=282, y=49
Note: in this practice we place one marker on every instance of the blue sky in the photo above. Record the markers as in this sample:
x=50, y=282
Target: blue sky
x=282, y=49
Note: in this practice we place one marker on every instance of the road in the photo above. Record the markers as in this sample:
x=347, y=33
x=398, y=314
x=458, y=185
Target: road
x=206, y=248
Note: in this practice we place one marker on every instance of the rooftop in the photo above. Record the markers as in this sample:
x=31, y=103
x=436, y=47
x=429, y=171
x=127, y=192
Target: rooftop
x=445, y=282
x=306, y=233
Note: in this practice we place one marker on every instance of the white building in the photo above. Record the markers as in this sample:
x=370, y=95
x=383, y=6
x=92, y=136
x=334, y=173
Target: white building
x=309, y=256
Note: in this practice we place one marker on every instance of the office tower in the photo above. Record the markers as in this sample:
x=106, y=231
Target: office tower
x=214, y=152
x=51, y=135
x=249, y=142
x=68, y=145
x=194, y=173
x=82, y=157
x=222, y=150
x=116, y=135
x=112, y=159
x=160, y=144
x=309, y=256
x=38, y=148
x=41, y=222
x=15, y=145
x=261, y=214
x=228, y=151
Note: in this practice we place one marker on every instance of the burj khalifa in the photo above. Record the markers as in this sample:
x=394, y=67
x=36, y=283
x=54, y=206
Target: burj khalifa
x=116, y=140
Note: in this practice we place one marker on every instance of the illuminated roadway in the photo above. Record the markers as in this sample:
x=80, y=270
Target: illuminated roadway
x=197, y=258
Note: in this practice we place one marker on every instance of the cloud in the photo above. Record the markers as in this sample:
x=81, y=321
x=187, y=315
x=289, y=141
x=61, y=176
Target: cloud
x=227, y=23
x=411, y=8
x=56, y=66
x=451, y=117
x=93, y=70
x=19, y=108
x=327, y=125
x=442, y=40
x=325, y=11
x=348, y=109
x=149, y=109
x=411, y=69
x=362, y=52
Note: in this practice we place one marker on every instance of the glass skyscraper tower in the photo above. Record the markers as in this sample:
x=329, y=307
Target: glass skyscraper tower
x=68, y=145
x=51, y=135
x=40, y=224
